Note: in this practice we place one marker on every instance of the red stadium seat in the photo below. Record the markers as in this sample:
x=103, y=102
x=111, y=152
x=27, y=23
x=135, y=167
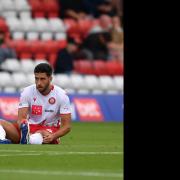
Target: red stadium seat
x=38, y=49
x=52, y=58
x=84, y=67
x=100, y=67
x=51, y=46
x=3, y=25
x=73, y=29
x=22, y=48
x=51, y=8
x=37, y=8
x=61, y=44
x=114, y=68
x=51, y=49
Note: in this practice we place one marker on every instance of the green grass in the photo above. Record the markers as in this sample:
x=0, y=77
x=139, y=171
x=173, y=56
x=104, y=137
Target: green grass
x=91, y=151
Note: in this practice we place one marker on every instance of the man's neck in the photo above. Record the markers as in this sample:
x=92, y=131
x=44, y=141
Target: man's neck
x=48, y=90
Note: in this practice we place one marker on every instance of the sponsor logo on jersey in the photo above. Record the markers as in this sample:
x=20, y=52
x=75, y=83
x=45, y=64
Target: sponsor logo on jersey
x=36, y=110
x=52, y=100
x=46, y=110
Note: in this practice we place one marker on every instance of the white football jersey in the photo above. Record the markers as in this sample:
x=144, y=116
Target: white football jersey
x=47, y=109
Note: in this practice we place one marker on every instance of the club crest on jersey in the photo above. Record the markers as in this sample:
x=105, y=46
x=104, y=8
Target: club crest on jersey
x=52, y=100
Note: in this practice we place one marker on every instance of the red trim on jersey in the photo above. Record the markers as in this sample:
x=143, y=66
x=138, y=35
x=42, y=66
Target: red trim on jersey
x=52, y=87
x=65, y=114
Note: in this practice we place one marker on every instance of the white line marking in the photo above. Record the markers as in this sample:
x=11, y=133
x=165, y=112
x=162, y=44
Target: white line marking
x=6, y=155
x=53, y=153
x=63, y=173
x=62, y=153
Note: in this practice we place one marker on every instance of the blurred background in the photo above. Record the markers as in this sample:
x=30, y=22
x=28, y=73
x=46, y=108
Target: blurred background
x=81, y=39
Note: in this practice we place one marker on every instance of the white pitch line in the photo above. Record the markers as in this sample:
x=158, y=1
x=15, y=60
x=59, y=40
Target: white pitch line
x=62, y=153
x=7, y=155
x=63, y=173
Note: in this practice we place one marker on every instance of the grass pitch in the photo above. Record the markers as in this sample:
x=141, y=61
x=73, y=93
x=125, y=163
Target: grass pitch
x=91, y=151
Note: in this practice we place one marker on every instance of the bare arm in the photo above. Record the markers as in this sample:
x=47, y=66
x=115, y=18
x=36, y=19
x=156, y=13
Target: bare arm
x=22, y=114
x=65, y=128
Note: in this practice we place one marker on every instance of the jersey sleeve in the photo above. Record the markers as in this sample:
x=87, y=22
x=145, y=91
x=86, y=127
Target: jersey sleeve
x=65, y=107
x=24, y=99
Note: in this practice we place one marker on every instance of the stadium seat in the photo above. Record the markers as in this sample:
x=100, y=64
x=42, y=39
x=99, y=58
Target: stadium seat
x=38, y=61
x=6, y=79
x=22, y=6
x=42, y=24
x=51, y=46
x=19, y=80
x=30, y=78
x=3, y=25
x=11, y=65
x=22, y=48
x=27, y=66
x=46, y=36
x=114, y=68
x=92, y=82
x=100, y=67
x=72, y=27
x=52, y=14
x=25, y=14
x=8, y=5
x=18, y=35
x=14, y=24
x=37, y=8
x=51, y=8
x=83, y=91
x=119, y=83
x=60, y=36
x=97, y=91
x=9, y=14
x=56, y=25
x=63, y=80
x=77, y=82
x=52, y=59
x=32, y=35
x=61, y=44
x=84, y=67
x=106, y=83
x=28, y=25
x=38, y=49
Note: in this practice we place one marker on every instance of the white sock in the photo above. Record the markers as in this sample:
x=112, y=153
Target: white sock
x=2, y=133
x=36, y=138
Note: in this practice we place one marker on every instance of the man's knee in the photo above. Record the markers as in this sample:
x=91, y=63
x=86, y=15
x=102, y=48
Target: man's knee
x=36, y=138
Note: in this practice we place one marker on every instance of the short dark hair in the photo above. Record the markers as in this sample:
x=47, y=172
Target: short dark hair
x=43, y=68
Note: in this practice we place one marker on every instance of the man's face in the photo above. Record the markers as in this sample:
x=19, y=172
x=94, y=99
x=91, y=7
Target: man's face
x=42, y=82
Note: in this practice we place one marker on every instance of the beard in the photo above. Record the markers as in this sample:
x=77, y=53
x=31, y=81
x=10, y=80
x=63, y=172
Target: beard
x=42, y=90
